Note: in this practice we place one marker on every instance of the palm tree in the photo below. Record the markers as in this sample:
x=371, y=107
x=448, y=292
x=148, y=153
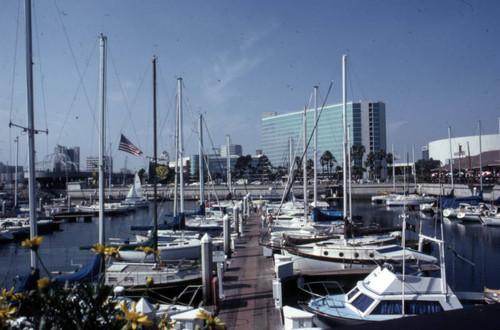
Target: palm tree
x=327, y=159
x=381, y=155
x=370, y=162
x=357, y=153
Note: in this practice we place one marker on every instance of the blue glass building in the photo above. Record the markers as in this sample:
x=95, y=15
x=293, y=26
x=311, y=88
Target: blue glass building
x=366, y=120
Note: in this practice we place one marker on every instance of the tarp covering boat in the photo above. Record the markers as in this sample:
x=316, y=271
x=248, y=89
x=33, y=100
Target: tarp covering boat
x=89, y=273
x=319, y=215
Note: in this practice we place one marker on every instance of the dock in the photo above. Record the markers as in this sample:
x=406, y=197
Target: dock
x=248, y=302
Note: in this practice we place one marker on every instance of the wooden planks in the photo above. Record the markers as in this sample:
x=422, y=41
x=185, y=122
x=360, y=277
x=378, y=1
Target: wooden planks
x=248, y=302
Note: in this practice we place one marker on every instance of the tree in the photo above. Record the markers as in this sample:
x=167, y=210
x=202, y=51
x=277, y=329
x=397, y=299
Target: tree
x=370, y=163
x=423, y=168
x=381, y=155
x=357, y=153
x=328, y=160
x=390, y=159
x=264, y=167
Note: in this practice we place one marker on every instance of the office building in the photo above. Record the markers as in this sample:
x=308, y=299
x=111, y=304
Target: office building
x=365, y=119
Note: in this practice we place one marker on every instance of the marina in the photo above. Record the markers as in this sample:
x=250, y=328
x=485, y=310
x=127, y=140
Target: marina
x=248, y=298
x=318, y=227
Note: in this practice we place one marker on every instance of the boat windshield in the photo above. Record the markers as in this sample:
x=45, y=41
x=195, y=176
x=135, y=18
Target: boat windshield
x=411, y=307
x=352, y=293
x=362, y=302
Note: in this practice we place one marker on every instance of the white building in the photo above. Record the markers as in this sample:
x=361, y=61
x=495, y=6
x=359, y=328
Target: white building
x=462, y=146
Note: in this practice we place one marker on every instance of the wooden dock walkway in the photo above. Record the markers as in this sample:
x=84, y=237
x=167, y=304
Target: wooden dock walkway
x=247, y=284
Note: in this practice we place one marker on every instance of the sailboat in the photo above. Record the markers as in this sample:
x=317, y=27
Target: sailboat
x=135, y=198
x=164, y=272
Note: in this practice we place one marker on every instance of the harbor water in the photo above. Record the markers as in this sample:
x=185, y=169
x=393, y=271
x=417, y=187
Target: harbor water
x=472, y=250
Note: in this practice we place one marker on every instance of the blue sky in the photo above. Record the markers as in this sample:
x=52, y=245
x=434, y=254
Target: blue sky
x=434, y=63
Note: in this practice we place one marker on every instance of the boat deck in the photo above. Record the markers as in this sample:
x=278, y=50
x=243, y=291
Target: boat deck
x=248, y=302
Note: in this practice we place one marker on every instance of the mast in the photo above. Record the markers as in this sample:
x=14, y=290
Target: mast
x=480, y=157
x=304, y=162
x=315, y=159
x=181, y=146
x=31, y=130
x=15, y=179
x=102, y=144
x=228, y=161
x=344, y=118
x=349, y=167
x=155, y=159
x=413, y=167
x=201, y=167
x=451, y=157
x=292, y=164
x=176, y=160
x=393, y=170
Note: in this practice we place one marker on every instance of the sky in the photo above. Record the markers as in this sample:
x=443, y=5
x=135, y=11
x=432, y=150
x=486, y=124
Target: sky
x=435, y=64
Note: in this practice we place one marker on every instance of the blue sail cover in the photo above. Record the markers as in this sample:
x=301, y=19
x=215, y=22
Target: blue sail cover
x=319, y=215
x=199, y=211
x=28, y=282
x=177, y=224
x=89, y=273
x=455, y=202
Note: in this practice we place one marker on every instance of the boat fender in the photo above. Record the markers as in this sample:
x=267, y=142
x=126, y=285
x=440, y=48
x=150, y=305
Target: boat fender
x=215, y=292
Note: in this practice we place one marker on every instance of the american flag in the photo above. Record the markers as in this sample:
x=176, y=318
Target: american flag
x=127, y=146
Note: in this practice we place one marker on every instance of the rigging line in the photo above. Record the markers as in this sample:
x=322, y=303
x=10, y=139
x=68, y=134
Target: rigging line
x=123, y=95
x=13, y=78
x=355, y=76
x=75, y=62
x=193, y=120
x=169, y=102
x=74, y=96
x=41, y=77
x=213, y=148
x=287, y=190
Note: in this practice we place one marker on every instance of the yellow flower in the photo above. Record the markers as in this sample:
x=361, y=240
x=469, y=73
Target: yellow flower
x=6, y=312
x=212, y=322
x=134, y=319
x=33, y=243
x=164, y=324
x=43, y=283
x=112, y=252
x=148, y=250
x=7, y=295
x=99, y=248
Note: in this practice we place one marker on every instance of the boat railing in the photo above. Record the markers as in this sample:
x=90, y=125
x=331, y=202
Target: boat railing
x=320, y=288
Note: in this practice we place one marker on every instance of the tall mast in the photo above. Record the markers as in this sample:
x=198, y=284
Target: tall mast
x=31, y=129
x=393, y=170
x=304, y=162
x=201, y=167
x=315, y=202
x=102, y=144
x=176, y=159
x=480, y=157
x=228, y=161
x=413, y=167
x=451, y=157
x=181, y=146
x=16, y=174
x=155, y=159
x=344, y=147
x=292, y=164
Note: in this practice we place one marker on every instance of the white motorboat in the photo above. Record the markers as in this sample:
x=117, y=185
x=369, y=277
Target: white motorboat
x=385, y=295
x=407, y=200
